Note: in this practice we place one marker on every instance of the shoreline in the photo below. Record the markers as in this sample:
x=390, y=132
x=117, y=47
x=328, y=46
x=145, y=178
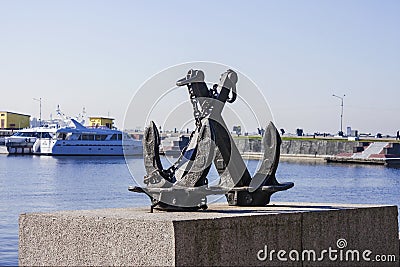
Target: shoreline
x=285, y=157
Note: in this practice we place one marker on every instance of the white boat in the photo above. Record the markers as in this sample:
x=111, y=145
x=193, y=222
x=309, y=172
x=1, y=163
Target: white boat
x=24, y=141
x=81, y=140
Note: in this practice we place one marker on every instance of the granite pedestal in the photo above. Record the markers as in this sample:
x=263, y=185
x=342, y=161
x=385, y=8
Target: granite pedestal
x=221, y=235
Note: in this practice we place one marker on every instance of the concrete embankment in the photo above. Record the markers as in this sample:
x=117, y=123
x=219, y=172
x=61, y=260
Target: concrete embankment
x=330, y=150
x=299, y=148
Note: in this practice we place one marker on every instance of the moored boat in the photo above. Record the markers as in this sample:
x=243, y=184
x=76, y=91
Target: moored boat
x=24, y=141
x=81, y=140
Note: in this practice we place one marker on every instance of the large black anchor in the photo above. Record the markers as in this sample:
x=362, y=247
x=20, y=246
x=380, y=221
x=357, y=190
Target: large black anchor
x=184, y=185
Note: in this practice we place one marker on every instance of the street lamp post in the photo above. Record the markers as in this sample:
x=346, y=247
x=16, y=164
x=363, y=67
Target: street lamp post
x=40, y=110
x=341, y=114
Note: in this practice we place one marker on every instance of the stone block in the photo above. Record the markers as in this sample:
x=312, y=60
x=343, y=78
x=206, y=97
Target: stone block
x=222, y=235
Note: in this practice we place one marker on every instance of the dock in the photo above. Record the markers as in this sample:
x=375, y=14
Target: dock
x=389, y=162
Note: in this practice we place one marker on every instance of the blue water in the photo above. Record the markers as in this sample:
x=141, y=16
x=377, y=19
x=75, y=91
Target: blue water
x=33, y=183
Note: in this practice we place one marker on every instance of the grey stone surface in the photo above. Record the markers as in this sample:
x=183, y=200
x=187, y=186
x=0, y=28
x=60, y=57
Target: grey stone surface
x=317, y=147
x=300, y=147
x=221, y=235
x=362, y=229
x=82, y=239
x=228, y=241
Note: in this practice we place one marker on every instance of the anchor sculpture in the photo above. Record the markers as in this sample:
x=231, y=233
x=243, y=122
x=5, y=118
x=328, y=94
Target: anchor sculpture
x=184, y=185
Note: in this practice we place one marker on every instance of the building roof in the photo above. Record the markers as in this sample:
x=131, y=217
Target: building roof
x=2, y=111
x=101, y=118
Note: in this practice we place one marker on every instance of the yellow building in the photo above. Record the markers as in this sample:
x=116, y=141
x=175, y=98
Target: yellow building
x=101, y=121
x=11, y=120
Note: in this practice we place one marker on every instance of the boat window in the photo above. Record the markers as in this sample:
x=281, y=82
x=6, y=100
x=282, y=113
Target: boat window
x=101, y=137
x=68, y=137
x=46, y=135
x=26, y=134
x=61, y=136
x=119, y=136
x=127, y=136
x=113, y=137
x=80, y=137
x=88, y=137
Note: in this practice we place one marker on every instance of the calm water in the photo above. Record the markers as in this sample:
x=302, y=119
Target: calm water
x=32, y=183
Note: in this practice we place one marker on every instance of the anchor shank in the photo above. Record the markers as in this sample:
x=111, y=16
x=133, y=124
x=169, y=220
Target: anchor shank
x=230, y=163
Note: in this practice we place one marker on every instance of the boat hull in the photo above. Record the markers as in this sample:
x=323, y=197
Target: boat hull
x=89, y=148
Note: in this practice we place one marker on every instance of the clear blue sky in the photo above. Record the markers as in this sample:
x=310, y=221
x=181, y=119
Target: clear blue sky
x=95, y=54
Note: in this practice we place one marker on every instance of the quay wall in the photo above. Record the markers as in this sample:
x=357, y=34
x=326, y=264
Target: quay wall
x=300, y=147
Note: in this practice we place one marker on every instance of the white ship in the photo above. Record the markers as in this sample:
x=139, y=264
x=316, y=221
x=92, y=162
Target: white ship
x=24, y=141
x=81, y=140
